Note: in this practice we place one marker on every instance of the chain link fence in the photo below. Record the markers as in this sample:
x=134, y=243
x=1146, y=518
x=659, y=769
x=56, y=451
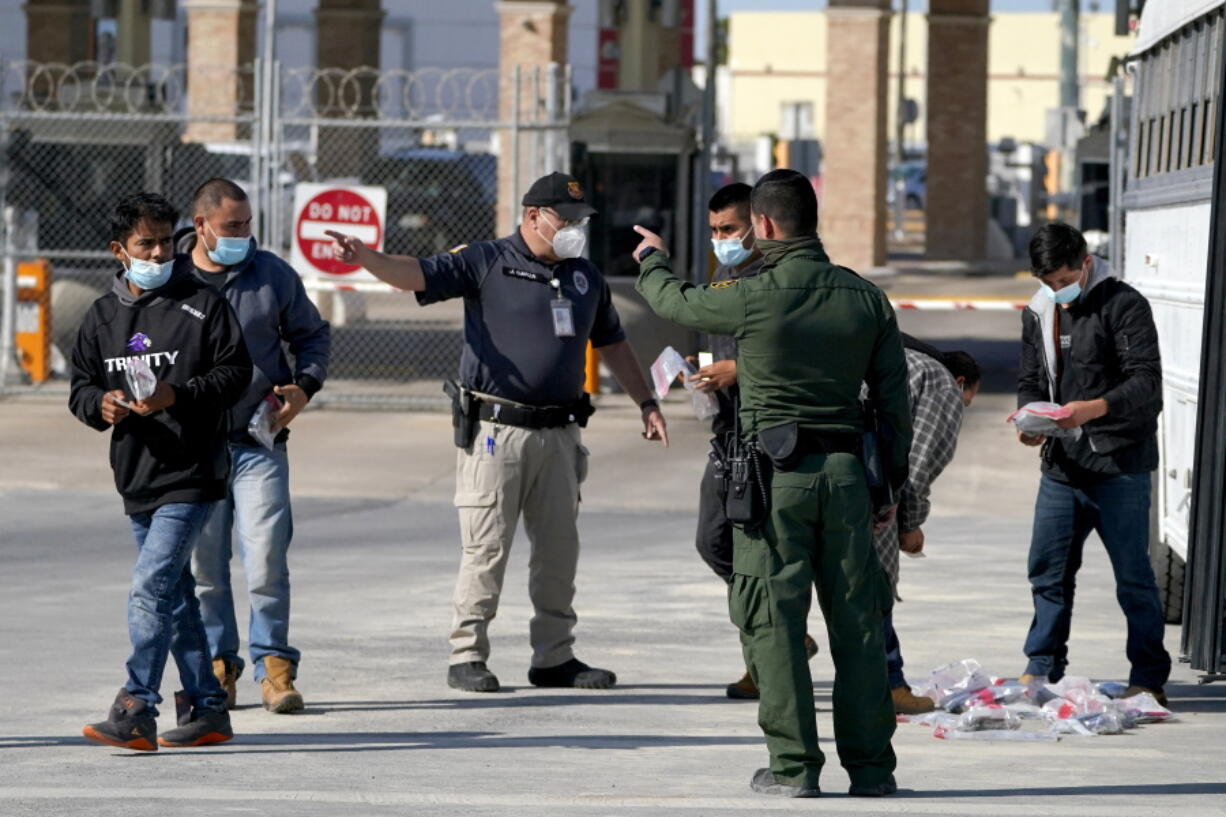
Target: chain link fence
x=447, y=146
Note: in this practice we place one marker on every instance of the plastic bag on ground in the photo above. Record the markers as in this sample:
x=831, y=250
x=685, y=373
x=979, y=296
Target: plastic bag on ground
x=1077, y=703
x=1112, y=689
x=1019, y=735
x=1004, y=693
x=990, y=717
x=664, y=372
x=1098, y=723
x=952, y=679
x=1040, y=418
x=1144, y=708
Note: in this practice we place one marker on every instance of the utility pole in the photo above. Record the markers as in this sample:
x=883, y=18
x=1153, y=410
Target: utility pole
x=702, y=185
x=1070, y=82
x=900, y=130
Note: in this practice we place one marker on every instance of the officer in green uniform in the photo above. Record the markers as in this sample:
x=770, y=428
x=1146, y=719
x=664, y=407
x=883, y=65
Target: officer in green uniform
x=809, y=335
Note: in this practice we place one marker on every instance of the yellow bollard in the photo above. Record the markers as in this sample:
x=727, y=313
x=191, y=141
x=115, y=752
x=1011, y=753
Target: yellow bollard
x=591, y=378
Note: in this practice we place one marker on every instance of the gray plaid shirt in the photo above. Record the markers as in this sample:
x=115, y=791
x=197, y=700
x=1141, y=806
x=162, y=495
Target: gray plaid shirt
x=936, y=415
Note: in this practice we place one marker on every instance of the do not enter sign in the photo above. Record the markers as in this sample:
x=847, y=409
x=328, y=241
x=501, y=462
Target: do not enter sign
x=357, y=211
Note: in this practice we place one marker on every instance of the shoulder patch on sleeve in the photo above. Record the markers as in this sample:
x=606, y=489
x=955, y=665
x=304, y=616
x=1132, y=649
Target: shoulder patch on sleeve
x=731, y=282
x=458, y=248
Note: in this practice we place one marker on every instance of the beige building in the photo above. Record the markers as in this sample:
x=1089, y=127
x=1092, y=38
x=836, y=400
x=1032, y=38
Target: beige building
x=777, y=73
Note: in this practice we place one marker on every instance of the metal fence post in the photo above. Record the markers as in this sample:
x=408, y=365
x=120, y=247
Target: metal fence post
x=515, y=78
x=8, y=326
x=551, y=113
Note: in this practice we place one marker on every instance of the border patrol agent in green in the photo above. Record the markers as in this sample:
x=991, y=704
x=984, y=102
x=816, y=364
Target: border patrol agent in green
x=809, y=335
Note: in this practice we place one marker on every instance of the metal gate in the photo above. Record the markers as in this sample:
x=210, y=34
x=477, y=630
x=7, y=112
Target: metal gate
x=448, y=146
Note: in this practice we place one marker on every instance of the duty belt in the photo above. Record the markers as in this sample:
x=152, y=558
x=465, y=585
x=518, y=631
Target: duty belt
x=813, y=441
x=535, y=417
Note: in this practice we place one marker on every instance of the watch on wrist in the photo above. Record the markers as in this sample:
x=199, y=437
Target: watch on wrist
x=647, y=251
x=649, y=404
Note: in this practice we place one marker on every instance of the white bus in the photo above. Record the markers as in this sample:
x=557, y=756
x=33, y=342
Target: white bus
x=1168, y=203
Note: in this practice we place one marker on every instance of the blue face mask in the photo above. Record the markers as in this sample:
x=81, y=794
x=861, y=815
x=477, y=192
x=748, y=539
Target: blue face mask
x=1063, y=296
x=730, y=252
x=228, y=250
x=147, y=274
x=1066, y=295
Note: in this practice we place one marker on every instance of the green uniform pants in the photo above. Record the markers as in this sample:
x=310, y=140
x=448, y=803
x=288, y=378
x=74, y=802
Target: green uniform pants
x=818, y=532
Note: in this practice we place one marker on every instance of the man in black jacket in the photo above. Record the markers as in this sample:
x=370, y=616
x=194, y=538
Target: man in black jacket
x=1089, y=343
x=168, y=453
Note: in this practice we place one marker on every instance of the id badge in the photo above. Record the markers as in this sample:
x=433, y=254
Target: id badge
x=563, y=318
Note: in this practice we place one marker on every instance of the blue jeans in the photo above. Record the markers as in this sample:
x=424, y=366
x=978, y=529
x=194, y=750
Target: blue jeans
x=163, y=614
x=1118, y=508
x=893, y=654
x=258, y=508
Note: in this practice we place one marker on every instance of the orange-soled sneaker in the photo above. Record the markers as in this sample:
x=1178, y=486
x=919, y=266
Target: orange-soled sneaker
x=128, y=725
x=197, y=727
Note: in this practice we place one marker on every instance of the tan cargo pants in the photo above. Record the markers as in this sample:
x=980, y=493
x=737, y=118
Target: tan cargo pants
x=506, y=472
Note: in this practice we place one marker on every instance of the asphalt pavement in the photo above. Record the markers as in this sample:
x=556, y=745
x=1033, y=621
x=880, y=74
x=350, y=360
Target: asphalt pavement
x=373, y=563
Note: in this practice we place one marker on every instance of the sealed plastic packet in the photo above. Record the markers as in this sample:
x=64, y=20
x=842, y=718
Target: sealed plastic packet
x=664, y=371
x=1039, y=418
x=992, y=716
x=1144, y=708
x=142, y=382
x=261, y=422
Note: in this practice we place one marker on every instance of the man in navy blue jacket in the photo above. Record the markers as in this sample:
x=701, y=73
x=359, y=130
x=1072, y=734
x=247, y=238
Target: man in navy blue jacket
x=274, y=311
x=168, y=452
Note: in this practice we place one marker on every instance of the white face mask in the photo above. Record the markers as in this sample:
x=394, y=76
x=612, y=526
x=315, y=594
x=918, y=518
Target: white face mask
x=569, y=241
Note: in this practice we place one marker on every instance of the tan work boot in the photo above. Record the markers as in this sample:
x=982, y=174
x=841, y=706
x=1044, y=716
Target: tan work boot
x=907, y=702
x=278, y=686
x=227, y=675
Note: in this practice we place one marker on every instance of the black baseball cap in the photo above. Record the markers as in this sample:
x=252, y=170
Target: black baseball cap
x=561, y=193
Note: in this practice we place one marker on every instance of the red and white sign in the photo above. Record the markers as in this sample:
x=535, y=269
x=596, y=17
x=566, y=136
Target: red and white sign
x=356, y=211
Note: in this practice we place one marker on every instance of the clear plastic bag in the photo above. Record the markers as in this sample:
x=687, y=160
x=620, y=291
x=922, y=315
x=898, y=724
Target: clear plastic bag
x=1098, y=723
x=142, y=382
x=664, y=372
x=951, y=684
x=1013, y=735
x=1111, y=689
x=1076, y=703
x=1004, y=693
x=260, y=424
x=1039, y=418
x=1144, y=708
x=990, y=717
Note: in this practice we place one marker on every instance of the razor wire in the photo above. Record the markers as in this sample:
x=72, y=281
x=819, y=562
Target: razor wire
x=77, y=138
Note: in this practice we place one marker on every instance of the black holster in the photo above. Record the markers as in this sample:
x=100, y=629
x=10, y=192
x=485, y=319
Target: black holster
x=464, y=418
x=876, y=434
x=745, y=482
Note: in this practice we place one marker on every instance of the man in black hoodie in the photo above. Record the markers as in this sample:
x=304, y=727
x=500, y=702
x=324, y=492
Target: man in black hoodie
x=168, y=453
x=1089, y=343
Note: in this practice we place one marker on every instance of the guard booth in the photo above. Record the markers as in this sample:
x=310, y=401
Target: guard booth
x=636, y=167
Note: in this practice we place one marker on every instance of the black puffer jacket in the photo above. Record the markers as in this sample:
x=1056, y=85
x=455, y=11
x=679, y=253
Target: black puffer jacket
x=1112, y=353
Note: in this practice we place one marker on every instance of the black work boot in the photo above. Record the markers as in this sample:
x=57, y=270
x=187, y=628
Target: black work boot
x=472, y=677
x=574, y=673
x=875, y=789
x=128, y=726
x=197, y=728
x=764, y=782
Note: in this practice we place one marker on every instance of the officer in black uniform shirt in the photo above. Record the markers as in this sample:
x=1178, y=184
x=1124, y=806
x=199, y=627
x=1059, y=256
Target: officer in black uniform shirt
x=531, y=304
